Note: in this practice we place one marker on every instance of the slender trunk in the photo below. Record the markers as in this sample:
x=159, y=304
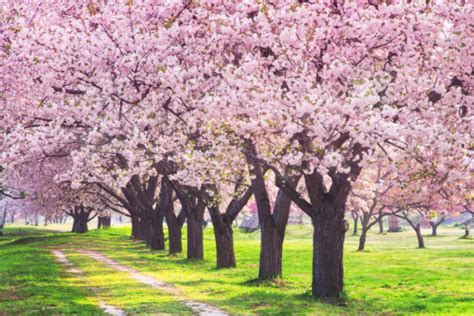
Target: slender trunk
x=328, y=241
x=157, y=236
x=419, y=236
x=195, y=235
x=36, y=219
x=362, y=239
x=356, y=221
x=434, y=230
x=380, y=222
x=467, y=231
x=3, y=219
x=12, y=218
x=434, y=225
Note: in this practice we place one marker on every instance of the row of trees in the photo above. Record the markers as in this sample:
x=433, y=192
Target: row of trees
x=165, y=110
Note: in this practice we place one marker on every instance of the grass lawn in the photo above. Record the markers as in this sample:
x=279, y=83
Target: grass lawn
x=391, y=277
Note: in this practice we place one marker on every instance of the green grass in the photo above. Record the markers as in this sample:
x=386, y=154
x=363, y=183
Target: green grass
x=31, y=283
x=391, y=277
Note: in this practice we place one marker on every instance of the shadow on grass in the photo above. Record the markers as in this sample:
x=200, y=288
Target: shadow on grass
x=31, y=240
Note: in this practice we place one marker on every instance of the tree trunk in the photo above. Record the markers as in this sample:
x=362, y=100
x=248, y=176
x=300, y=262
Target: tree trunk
x=271, y=251
x=36, y=219
x=144, y=233
x=272, y=235
x=362, y=239
x=157, y=236
x=79, y=224
x=174, y=236
x=434, y=230
x=380, y=222
x=135, y=226
x=225, y=256
x=12, y=218
x=467, y=232
x=195, y=234
x=328, y=241
x=3, y=219
x=434, y=225
x=356, y=221
x=107, y=221
x=103, y=221
x=419, y=236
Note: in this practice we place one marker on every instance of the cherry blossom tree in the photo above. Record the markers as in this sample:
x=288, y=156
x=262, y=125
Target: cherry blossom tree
x=306, y=91
x=321, y=87
x=365, y=198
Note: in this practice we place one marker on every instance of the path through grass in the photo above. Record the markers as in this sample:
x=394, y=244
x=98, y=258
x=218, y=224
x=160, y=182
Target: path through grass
x=391, y=277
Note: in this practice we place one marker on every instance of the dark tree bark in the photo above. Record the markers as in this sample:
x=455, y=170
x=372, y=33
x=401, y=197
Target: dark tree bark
x=173, y=221
x=419, y=236
x=81, y=216
x=175, y=227
x=326, y=207
x=175, y=237
x=467, y=232
x=2, y=220
x=404, y=214
x=145, y=197
x=225, y=255
x=103, y=221
x=195, y=219
x=328, y=242
x=135, y=226
x=144, y=232
x=380, y=222
x=157, y=234
x=193, y=205
x=355, y=217
x=367, y=221
x=223, y=233
x=362, y=239
x=272, y=225
x=434, y=225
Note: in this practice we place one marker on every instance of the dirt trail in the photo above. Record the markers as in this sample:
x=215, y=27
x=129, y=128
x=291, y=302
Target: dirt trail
x=196, y=307
x=108, y=309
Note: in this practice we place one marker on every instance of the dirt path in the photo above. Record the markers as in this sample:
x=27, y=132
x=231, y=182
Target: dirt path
x=196, y=307
x=108, y=309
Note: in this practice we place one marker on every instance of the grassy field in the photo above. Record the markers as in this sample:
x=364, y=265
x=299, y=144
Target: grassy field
x=391, y=277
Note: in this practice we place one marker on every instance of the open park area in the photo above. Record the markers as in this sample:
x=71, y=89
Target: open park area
x=393, y=277
x=217, y=157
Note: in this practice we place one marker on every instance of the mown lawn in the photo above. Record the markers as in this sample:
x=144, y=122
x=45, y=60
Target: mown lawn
x=391, y=277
